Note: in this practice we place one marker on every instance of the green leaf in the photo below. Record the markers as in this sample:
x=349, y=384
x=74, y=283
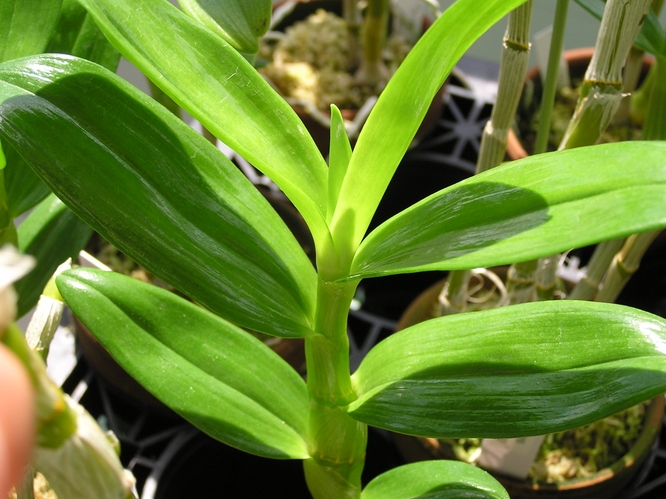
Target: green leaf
x=217, y=376
x=25, y=26
x=240, y=22
x=77, y=34
x=438, y=479
x=525, y=209
x=158, y=191
x=24, y=188
x=514, y=371
x=340, y=154
x=52, y=234
x=400, y=109
x=215, y=84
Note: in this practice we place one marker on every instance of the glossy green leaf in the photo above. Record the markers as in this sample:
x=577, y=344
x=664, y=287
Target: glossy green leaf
x=24, y=188
x=76, y=33
x=339, y=156
x=525, y=209
x=240, y=22
x=651, y=35
x=52, y=234
x=217, y=376
x=438, y=479
x=400, y=109
x=215, y=84
x=158, y=191
x=26, y=26
x=514, y=371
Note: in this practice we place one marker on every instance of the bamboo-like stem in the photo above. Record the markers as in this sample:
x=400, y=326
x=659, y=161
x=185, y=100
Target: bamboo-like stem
x=372, y=71
x=601, y=259
x=550, y=85
x=453, y=298
x=624, y=265
x=336, y=442
x=352, y=17
x=602, y=89
x=626, y=262
x=546, y=277
x=520, y=282
x=632, y=73
x=546, y=273
x=513, y=65
x=158, y=94
x=26, y=489
x=654, y=127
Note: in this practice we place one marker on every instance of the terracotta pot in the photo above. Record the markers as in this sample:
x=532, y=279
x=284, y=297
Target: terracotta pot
x=577, y=60
x=321, y=133
x=605, y=484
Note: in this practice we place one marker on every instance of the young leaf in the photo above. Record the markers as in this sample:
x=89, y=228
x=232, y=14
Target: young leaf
x=158, y=191
x=400, y=109
x=240, y=22
x=24, y=188
x=215, y=84
x=25, y=26
x=52, y=234
x=340, y=153
x=217, y=376
x=525, y=209
x=438, y=479
x=514, y=371
x=77, y=34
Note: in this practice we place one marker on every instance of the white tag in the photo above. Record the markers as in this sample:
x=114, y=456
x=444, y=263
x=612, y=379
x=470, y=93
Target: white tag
x=511, y=456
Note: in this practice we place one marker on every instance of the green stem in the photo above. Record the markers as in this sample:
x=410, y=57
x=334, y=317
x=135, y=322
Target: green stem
x=550, y=85
x=352, y=17
x=601, y=259
x=157, y=94
x=26, y=489
x=513, y=65
x=453, y=298
x=337, y=443
x=546, y=277
x=520, y=282
x=601, y=91
x=654, y=127
x=624, y=265
x=373, y=71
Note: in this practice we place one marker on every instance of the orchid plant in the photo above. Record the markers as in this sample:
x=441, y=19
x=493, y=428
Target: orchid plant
x=169, y=199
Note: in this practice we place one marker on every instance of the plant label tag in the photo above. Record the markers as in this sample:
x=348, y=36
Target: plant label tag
x=511, y=456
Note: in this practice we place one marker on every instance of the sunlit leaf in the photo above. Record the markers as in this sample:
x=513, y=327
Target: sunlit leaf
x=76, y=33
x=215, y=84
x=438, y=479
x=399, y=111
x=525, y=209
x=217, y=376
x=514, y=371
x=158, y=191
x=240, y=22
x=26, y=26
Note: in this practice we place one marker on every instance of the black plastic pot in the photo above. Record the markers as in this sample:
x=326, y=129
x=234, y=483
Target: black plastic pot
x=202, y=467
